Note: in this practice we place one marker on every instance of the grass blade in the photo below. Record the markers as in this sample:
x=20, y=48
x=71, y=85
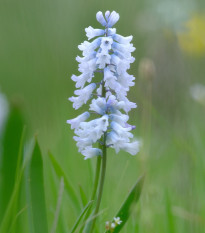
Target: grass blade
x=37, y=194
x=126, y=208
x=57, y=212
x=81, y=215
x=8, y=217
x=9, y=158
x=170, y=217
x=68, y=187
x=83, y=196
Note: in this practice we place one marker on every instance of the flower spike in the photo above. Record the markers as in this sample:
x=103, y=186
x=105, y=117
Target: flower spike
x=109, y=54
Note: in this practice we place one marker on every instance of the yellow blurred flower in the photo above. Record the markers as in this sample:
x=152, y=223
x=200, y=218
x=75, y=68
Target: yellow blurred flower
x=193, y=39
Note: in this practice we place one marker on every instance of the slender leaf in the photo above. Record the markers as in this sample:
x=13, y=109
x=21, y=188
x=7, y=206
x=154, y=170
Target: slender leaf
x=37, y=194
x=127, y=206
x=83, y=195
x=12, y=227
x=11, y=215
x=80, y=216
x=170, y=218
x=57, y=212
x=9, y=158
x=7, y=219
x=68, y=187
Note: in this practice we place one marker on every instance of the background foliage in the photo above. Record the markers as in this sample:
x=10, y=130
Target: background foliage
x=38, y=46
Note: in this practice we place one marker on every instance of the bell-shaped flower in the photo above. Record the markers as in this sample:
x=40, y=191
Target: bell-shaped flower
x=91, y=32
x=83, y=142
x=103, y=59
x=131, y=147
x=121, y=39
x=128, y=105
x=90, y=152
x=113, y=105
x=126, y=80
x=76, y=121
x=88, y=67
x=106, y=44
x=121, y=64
x=111, y=32
x=110, y=79
x=107, y=14
x=81, y=79
x=98, y=105
x=83, y=95
x=113, y=18
x=122, y=132
x=88, y=47
x=120, y=119
x=100, y=18
x=124, y=49
x=93, y=129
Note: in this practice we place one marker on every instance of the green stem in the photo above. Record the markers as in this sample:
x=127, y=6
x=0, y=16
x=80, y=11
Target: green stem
x=102, y=178
x=96, y=181
x=97, y=174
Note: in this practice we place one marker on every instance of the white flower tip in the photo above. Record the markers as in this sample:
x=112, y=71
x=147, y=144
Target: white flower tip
x=73, y=77
x=114, y=17
x=90, y=152
x=107, y=14
x=100, y=18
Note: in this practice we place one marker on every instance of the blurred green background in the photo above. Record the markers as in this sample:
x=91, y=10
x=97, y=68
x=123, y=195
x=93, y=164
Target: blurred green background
x=38, y=46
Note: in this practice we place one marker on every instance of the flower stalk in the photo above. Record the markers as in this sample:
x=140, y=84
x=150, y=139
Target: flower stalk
x=110, y=54
x=102, y=179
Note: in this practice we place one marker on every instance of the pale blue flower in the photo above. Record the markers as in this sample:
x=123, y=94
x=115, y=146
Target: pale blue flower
x=81, y=79
x=103, y=60
x=90, y=152
x=131, y=147
x=91, y=32
x=100, y=18
x=121, y=39
x=93, y=129
x=83, y=95
x=98, y=105
x=110, y=54
x=113, y=18
x=107, y=14
x=76, y=121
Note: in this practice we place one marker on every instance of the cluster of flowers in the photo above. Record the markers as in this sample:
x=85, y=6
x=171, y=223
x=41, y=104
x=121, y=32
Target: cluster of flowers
x=109, y=54
x=111, y=225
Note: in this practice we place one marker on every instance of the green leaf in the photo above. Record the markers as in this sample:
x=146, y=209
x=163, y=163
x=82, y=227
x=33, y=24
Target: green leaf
x=11, y=215
x=59, y=200
x=68, y=187
x=10, y=161
x=170, y=218
x=127, y=206
x=9, y=218
x=81, y=215
x=36, y=193
x=83, y=195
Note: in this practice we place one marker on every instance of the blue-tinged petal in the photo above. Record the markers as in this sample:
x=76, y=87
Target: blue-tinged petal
x=91, y=32
x=90, y=152
x=114, y=17
x=75, y=122
x=100, y=18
